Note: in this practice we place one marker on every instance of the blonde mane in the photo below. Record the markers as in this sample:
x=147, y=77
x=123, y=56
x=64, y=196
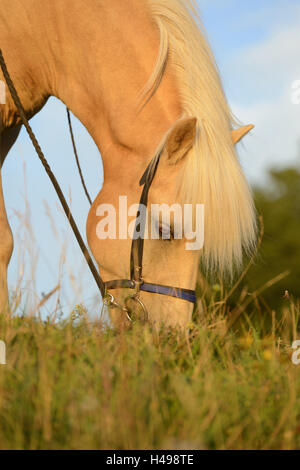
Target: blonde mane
x=212, y=174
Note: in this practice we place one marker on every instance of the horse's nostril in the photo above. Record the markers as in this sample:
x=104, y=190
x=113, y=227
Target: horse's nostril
x=166, y=233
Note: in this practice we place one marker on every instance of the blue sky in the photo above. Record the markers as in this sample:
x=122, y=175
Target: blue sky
x=257, y=48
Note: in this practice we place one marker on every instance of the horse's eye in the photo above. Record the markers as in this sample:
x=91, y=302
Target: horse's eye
x=166, y=233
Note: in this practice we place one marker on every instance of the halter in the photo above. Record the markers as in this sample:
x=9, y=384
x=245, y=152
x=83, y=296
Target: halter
x=136, y=281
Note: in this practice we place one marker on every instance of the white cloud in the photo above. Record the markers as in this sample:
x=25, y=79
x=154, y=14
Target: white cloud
x=267, y=71
x=275, y=139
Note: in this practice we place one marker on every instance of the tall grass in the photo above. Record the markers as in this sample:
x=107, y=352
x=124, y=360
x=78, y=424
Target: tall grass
x=228, y=383
x=71, y=384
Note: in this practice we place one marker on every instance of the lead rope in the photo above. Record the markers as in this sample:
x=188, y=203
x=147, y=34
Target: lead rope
x=54, y=181
x=77, y=158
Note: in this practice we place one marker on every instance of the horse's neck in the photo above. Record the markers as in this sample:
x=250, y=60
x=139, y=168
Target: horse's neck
x=97, y=59
x=23, y=42
x=108, y=64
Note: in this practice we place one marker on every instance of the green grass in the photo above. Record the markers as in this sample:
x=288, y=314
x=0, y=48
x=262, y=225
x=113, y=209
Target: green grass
x=69, y=384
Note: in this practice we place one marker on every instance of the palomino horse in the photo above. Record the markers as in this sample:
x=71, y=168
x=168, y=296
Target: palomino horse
x=140, y=76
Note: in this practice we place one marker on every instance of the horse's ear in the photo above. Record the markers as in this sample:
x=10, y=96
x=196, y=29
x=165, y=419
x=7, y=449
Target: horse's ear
x=180, y=140
x=238, y=134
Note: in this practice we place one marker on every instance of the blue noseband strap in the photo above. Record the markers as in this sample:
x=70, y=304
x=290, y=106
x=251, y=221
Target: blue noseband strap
x=176, y=292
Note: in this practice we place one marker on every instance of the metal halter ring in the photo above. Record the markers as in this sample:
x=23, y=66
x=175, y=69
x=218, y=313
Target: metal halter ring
x=110, y=301
x=128, y=310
